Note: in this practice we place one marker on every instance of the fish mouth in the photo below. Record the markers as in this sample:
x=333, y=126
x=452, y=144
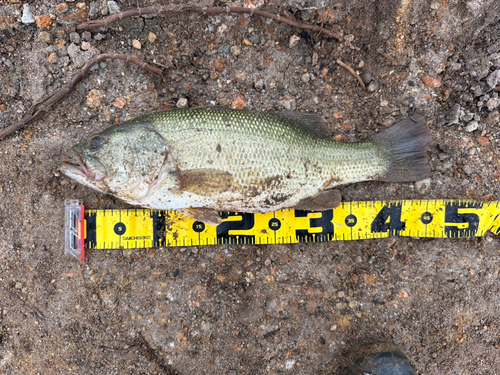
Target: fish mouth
x=79, y=168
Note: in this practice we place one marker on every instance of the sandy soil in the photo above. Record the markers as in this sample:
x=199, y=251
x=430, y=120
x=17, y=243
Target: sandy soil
x=250, y=309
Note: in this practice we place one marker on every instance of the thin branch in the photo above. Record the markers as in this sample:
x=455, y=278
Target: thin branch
x=143, y=346
x=351, y=70
x=33, y=309
x=178, y=8
x=39, y=109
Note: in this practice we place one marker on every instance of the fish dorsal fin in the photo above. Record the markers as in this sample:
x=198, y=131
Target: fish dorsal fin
x=205, y=182
x=314, y=123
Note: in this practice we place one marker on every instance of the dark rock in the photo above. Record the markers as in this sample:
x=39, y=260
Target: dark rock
x=451, y=117
x=255, y=39
x=366, y=78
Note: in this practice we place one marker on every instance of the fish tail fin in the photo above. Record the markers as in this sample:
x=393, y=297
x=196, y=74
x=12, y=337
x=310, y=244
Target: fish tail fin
x=405, y=144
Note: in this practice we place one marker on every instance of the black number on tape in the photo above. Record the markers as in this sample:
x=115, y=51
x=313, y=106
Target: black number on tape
x=91, y=239
x=389, y=220
x=159, y=235
x=452, y=216
x=324, y=222
x=247, y=222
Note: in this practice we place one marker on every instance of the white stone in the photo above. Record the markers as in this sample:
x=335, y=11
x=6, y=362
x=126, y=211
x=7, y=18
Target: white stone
x=182, y=102
x=294, y=40
x=27, y=17
x=473, y=125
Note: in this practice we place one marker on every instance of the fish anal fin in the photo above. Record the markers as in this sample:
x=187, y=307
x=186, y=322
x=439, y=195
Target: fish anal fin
x=205, y=215
x=324, y=200
x=204, y=182
x=312, y=122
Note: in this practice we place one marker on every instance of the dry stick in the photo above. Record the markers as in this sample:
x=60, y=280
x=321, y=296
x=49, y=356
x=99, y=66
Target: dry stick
x=351, y=70
x=34, y=310
x=204, y=10
x=39, y=109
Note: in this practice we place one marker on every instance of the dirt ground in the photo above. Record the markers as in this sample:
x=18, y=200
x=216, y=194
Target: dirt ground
x=216, y=310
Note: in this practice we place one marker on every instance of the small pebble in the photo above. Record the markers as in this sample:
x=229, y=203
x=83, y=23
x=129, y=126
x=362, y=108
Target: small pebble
x=62, y=7
x=27, y=17
x=136, y=44
x=493, y=79
x=259, y=85
x=366, y=78
x=493, y=118
x=87, y=36
x=218, y=65
x=94, y=98
x=372, y=86
x=235, y=51
x=384, y=103
x=43, y=21
x=349, y=38
x=483, y=141
x=473, y=125
x=86, y=46
x=152, y=37
x=182, y=103
x=81, y=5
x=255, y=39
x=430, y=81
x=492, y=103
x=247, y=42
x=435, y=5
x=3, y=107
x=238, y=103
x=423, y=186
x=113, y=7
x=74, y=37
x=119, y=103
x=45, y=37
x=226, y=48
x=52, y=58
x=306, y=77
x=311, y=307
x=288, y=103
x=315, y=59
x=294, y=40
x=99, y=37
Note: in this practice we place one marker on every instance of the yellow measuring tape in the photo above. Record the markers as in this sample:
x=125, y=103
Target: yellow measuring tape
x=145, y=228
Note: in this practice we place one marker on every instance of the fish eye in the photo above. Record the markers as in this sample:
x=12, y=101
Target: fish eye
x=96, y=143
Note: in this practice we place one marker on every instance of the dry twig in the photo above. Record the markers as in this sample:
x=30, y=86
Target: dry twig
x=179, y=8
x=351, y=70
x=33, y=310
x=143, y=346
x=39, y=109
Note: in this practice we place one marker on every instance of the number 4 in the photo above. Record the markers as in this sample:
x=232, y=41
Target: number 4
x=389, y=220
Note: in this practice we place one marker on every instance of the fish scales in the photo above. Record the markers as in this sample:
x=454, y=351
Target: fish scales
x=255, y=146
x=200, y=161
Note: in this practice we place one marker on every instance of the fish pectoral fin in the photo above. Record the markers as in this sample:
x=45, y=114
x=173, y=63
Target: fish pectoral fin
x=322, y=201
x=205, y=182
x=205, y=215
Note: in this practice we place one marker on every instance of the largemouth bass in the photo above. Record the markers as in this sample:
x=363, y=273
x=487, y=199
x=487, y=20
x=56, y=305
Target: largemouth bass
x=202, y=161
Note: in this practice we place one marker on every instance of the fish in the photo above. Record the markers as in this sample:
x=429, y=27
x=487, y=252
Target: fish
x=203, y=161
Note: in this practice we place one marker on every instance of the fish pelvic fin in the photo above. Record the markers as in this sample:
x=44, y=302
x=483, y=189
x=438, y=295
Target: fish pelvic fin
x=405, y=145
